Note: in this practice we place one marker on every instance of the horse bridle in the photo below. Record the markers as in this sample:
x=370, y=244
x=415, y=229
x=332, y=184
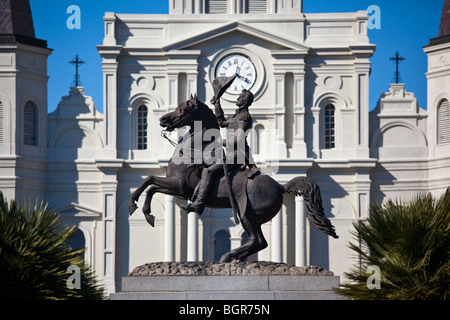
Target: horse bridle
x=164, y=131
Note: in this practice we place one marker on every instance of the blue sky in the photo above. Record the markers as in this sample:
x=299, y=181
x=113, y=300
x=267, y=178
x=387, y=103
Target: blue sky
x=406, y=26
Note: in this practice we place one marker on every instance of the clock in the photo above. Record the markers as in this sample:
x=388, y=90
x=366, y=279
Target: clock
x=240, y=65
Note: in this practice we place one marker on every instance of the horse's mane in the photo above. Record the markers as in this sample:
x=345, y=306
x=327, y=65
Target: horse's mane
x=207, y=115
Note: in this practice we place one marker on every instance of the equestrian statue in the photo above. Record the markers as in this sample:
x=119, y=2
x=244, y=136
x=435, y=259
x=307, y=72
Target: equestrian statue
x=220, y=173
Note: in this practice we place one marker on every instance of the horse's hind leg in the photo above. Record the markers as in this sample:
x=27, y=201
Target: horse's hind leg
x=256, y=241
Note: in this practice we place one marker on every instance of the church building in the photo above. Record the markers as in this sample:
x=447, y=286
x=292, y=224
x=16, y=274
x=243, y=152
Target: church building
x=309, y=74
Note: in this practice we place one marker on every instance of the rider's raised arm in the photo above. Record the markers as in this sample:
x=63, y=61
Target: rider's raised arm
x=220, y=115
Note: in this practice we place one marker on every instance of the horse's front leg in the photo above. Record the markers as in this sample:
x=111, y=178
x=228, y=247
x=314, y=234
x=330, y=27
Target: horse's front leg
x=146, y=209
x=137, y=193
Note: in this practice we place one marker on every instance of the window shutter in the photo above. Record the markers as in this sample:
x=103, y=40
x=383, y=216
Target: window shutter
x=256, y=6
x=443, y=123
x=216, y=6
x=30, y=125
x=1, y=123
x=330, y=134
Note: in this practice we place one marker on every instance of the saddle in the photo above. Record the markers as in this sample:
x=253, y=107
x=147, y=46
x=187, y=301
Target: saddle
x=238, y=179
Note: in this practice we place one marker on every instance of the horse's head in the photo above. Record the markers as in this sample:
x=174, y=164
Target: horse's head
x=184, y=115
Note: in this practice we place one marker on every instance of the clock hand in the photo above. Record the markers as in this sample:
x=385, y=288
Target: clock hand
x=243, y=78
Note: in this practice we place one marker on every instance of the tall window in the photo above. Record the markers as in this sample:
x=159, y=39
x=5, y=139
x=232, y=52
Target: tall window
x=216, y=6
x=443, y=122
x=142, y=126
x=30, y=124
x=1, y=123
x=77, y=242
x=330, y=133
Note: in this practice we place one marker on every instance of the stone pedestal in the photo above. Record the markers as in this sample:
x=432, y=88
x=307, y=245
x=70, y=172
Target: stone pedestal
x=231, y=281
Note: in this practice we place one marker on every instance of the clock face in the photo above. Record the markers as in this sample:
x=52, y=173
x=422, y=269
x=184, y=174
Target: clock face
x=240, y=65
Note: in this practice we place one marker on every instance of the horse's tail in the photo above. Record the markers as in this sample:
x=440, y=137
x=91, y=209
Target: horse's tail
x=309, y=190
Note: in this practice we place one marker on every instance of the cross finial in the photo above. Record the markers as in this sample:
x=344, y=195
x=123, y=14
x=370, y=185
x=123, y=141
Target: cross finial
x=77, y=62
x=397, y=58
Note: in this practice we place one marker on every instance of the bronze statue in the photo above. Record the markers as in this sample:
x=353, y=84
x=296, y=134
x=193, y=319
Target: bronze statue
x=257, y=197
x=239, y=124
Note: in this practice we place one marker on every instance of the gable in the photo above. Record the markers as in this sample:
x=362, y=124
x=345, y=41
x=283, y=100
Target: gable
x=76, y=210
x=230, y=28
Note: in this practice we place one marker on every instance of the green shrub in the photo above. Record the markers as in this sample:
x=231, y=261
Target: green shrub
x=34, y=257
x=410, y=243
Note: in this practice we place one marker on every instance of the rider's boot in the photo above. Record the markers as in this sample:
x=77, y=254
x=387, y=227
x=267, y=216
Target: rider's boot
x=204, y=186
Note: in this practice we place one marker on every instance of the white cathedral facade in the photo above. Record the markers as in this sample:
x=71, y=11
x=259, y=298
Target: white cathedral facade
x=310, y=78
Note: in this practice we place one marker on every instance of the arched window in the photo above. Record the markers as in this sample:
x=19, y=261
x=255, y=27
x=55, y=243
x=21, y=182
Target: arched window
x=216, y=6
x=30, y=124
x=1, y=123
x=443, y=122
x=222, y=244
x=77, y=242
x=329, y=126
x=142, y=127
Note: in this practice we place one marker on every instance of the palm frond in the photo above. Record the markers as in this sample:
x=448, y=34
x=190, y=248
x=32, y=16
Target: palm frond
x=34, y=256
x=410, y=243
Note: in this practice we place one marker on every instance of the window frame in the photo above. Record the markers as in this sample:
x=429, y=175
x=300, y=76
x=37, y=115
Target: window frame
x=443, y=133
x=142, y=128
x=30, y=135
x=329, y=126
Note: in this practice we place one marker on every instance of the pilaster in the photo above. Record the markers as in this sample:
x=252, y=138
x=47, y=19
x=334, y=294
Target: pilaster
x=362, y=64
x=300, y=232
x=109, y=221
x=109, y=51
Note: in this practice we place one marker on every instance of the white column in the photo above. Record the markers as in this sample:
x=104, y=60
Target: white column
x=277, y=245
x=198, y=6
x=169, y=228
x=192, y=235
x=300, y=232
x=279, y=114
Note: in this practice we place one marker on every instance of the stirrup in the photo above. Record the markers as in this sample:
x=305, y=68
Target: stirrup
x=187, y=207
x=191, y=208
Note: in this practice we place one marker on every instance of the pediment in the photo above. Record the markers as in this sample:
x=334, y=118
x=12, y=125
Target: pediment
x=78, y=211
x=232, y=27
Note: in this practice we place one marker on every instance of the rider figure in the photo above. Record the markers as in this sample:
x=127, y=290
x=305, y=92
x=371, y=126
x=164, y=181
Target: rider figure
x=237, y=126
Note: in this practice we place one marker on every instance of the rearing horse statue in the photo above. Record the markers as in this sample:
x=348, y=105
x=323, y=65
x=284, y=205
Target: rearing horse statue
x=259, y=197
